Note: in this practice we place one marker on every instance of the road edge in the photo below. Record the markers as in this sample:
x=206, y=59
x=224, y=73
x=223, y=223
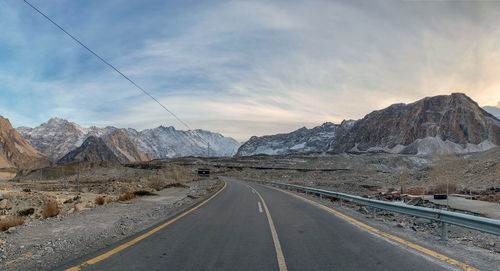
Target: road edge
x=381, y=233
x=78, y=263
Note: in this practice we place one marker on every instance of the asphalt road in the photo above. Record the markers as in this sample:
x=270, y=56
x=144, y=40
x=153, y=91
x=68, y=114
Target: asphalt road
x=232, y=232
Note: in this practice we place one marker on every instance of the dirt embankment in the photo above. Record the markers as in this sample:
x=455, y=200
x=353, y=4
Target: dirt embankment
x=43, y=244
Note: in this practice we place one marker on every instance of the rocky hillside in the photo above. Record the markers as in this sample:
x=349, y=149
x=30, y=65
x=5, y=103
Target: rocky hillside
x=15, y=152
x=303, y=140
x=441, y=124
x=92, y=149
x=57, y=137
x=124, y=148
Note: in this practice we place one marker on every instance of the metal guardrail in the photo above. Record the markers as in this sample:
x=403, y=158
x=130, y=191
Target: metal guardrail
x=445, y=217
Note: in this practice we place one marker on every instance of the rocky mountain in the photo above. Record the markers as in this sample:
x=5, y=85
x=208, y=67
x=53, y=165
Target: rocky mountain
x=54, y=138
x=303, y=140
x=124, y=148
x=15, y=151
x=92, y=149
x=494, y=110
x=57, y=137
x=441, y=124
x=167, y=142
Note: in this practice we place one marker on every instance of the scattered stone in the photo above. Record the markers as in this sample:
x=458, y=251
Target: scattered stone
x=421, y=221
x=12, y=230
x=363, y=210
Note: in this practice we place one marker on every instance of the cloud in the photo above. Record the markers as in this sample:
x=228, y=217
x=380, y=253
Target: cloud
x=243, y=68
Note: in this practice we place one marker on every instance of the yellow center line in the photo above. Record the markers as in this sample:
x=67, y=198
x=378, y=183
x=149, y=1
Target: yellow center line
x=147, y=234
x=387, y=235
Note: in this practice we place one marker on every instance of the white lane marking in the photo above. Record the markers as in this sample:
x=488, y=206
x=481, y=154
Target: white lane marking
x=260, y=206
x=274, y=233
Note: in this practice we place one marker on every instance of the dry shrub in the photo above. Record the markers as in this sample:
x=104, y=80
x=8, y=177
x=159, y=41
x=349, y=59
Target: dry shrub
x=156, y=183
x=127, y=196
x=442, y=189
x=99, y=201
x=446, y=173
x=415, y=191
x=141, y=193
x=26, y=212
x=177, y=185
x=12, y=221
x=76, y=207
x=50, y=209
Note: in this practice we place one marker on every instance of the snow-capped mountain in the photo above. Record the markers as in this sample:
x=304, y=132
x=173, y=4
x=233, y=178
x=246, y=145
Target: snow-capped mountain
x=303, y=140
x=57, y=137
x=167, y=142
x=494, y=110
x=440, y=124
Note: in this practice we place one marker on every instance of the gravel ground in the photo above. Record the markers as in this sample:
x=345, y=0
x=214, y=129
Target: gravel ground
x=480, y=250
x=48, y=243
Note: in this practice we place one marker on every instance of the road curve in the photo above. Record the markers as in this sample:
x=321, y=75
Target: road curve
x=233, y=232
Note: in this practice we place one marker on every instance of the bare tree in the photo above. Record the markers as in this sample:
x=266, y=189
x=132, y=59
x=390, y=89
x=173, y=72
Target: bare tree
x=447, y=172
x=403, y=179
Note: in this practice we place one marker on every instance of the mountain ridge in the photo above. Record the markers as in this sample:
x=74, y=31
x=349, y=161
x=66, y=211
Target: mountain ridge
x=92, y=149
x=438, y=124
x=57, y=137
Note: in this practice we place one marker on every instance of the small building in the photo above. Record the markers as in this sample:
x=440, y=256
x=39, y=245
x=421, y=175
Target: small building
x=203, y=173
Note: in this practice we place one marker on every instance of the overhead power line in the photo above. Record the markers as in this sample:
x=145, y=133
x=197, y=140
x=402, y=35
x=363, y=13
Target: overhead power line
x=114, y=68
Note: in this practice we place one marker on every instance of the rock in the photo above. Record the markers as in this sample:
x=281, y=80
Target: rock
x=12, y=230
x=401, y=225
x=492, y=244
x=4, y=204
x=420, y=221
x=363, y=210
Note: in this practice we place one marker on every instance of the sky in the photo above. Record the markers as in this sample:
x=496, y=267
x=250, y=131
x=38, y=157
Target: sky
x=241, y=68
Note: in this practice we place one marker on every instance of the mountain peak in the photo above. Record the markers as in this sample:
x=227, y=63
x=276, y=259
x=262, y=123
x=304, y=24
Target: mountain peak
x=5, y=124
x=55, y=120
x=92, y=149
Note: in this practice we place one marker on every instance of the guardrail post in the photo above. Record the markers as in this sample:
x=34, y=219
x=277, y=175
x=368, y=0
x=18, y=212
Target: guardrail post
x=340, y=202
x=320, y=196
x=444, y=231
x=374, y=212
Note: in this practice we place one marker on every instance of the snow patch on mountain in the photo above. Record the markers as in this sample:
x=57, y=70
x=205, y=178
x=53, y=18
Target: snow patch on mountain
x=57, y=137
x=303, y=140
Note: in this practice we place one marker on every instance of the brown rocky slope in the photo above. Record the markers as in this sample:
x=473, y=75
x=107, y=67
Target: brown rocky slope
x=15, y=152
x=124, y=148
x=92, y=149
